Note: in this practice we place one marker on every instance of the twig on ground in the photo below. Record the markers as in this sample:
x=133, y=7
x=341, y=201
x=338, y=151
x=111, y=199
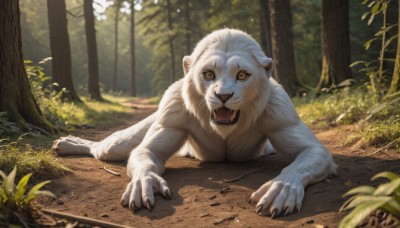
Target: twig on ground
x=244, y=174
x=81, y=219
x=386, y=146
x=111, y=171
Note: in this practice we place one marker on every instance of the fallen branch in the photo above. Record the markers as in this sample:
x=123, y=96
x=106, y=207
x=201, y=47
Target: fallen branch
x=387, y=145
x=81, y=219
x=244, y=174
x=111, y=171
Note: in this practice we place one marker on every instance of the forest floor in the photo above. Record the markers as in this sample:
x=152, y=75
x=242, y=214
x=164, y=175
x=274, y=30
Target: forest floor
x=93, y=192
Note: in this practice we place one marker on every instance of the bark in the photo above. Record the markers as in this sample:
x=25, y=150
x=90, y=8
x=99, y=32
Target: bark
x=91, y=44
x=282, y=46
x=116, y=22
x=265, y=28
x=171, y=42
x=60, y=50
x=16, y=98
x=133, y=67
x=395, y=83
x=335, y=43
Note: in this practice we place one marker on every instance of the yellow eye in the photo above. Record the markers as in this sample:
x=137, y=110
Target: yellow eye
x=242, y=75
x=209, y=75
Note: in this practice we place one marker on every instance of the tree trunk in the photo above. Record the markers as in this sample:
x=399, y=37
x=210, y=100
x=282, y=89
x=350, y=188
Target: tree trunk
x=282, y=46
x=335, y=43
x=16, y=98
x=171, y=42
x=395, y=84
x=133, y=73
x=116, y=22
x=188, y=28
x=60, y=49
x=91, y=44
x=265, y=28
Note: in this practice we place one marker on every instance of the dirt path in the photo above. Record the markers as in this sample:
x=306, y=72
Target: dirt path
x=93, y=192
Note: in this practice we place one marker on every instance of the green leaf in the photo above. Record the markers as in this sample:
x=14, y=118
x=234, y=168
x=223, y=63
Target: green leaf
x=8, y=184
x=360, y=199
x=388, y=175
x=3, y=175
x=371, y=3
x=390, y=40
x=368, y=43
x=357, y=63
x=365, y=15
x=33, y=192
x=3, y=196
x=388, y=188
x=371, y=18
x=393, y=207
x=21, y=187
x=376, y=7
x=361, y=190
x=361, y=212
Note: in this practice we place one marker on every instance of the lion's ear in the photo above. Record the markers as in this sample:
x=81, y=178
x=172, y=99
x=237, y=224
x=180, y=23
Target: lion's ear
x=186, y=63
x=264, y=61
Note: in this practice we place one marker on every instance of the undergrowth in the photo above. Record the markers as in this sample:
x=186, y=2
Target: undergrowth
x=378, y=121
x=41, y=163
x=66, y=115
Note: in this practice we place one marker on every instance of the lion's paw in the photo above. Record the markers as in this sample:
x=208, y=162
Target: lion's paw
x=141, y=189
x=278, y=197
x=71, y=145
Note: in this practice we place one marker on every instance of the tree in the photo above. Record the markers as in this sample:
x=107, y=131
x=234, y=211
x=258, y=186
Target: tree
x=60, y=49
x=133, y=76
x=265, y=28
x=116, y=22
x=16, y=98
x=335, y=43
x=91, y=44
x=282, y=46
x=395, y=84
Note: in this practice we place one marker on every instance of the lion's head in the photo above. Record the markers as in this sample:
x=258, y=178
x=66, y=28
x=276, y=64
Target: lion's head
x=226, y=81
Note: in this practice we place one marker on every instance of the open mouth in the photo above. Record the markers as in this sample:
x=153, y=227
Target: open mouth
x=225, y=116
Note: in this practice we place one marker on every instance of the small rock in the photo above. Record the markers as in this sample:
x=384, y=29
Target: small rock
x=212, y=197
x=204, y=215
x=59, y=202
x=104, y=215
x=214, y=204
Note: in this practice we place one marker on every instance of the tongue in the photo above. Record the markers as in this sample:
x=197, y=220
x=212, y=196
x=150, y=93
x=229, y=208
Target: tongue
x=223, y=114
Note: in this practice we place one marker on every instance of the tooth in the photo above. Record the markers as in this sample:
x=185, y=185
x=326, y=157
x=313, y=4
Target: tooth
x=232, y=116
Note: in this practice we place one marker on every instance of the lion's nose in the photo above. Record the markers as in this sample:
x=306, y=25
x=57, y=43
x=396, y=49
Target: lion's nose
x=224, y=97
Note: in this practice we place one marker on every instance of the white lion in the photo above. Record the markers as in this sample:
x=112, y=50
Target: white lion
x=226, y=108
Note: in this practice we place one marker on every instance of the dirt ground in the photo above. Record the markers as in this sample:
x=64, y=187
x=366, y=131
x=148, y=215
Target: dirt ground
x=91, y=191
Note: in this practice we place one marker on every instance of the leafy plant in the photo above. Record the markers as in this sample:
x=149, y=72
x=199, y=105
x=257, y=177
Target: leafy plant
x=368, y=199
x=16, y=202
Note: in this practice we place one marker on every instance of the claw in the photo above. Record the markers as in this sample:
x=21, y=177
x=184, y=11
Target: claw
x=298, y=208
x=259, y=209
x=168, y=194
x=286, y=211
x=274, y=213
x=148, y=205
x=122, y=203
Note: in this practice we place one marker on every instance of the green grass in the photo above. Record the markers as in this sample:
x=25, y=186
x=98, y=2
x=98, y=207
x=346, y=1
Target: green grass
x=31, y=152
x=41, y=163
x=378, y=121
x=93, y=112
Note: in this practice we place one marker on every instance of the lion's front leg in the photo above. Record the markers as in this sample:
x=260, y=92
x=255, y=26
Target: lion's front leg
x=146, y=164
x=284, y=194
